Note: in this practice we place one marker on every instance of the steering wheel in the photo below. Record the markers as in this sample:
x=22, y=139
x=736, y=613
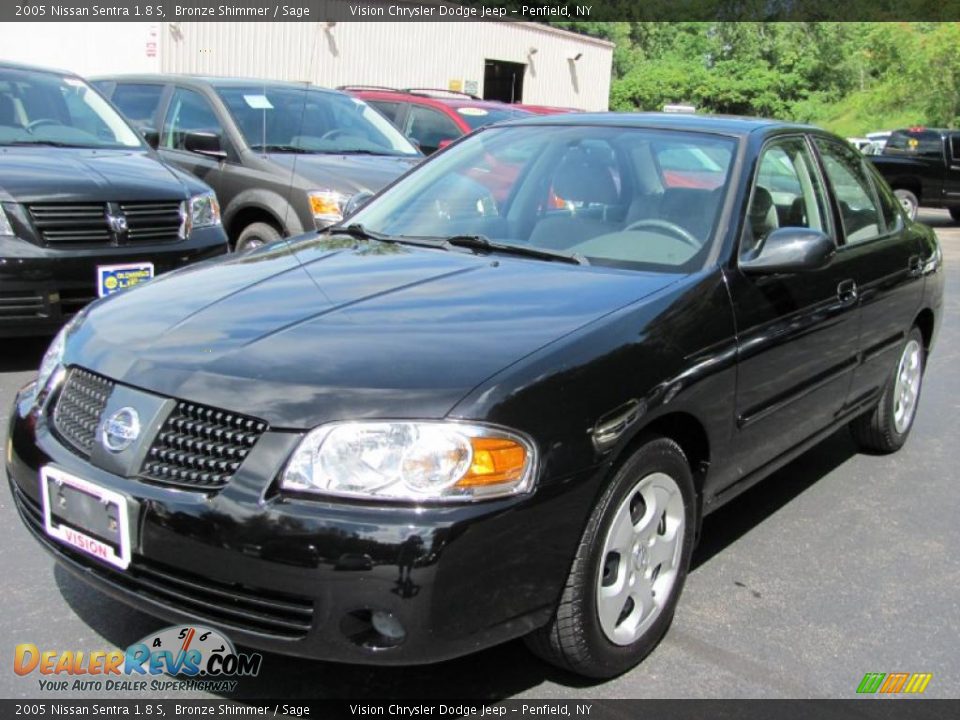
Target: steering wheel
x=331, y=134
x=670, y=227
x=40, y=122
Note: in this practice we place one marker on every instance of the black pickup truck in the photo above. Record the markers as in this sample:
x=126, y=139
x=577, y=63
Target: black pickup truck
x=922, y=165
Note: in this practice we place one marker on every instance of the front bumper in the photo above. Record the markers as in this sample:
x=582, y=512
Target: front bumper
x=302, y=577
x=41, y=288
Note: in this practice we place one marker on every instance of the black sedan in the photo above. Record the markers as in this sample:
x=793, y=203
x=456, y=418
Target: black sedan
x=497, y=403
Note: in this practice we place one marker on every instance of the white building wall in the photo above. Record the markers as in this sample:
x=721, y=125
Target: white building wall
x=396, y=55
x=347, y=53
x=86, y=48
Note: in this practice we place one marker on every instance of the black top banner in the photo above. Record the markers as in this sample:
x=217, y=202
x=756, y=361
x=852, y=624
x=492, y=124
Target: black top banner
x=480, y=10
x=428, y=709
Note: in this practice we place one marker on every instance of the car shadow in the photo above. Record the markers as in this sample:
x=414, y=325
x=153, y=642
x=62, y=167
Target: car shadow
x=493, y=674
x=22, y=354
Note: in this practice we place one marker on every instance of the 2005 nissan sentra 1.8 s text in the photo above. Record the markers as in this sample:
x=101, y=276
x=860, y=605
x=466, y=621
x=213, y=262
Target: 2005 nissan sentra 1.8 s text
x=496, y=403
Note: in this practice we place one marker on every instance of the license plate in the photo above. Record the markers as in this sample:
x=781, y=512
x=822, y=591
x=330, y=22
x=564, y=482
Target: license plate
x=85, y=516
x=114, y=278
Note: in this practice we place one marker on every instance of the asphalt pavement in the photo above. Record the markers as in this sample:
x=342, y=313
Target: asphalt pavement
x=837, y=565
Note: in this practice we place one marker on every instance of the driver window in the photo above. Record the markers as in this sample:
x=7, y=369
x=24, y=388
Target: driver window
x=189, y=112
x=430, y=128
x=787, y=193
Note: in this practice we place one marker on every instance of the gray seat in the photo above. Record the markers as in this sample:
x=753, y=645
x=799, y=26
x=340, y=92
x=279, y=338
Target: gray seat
x=580, y=180
x=8, y=113
x=763, y=219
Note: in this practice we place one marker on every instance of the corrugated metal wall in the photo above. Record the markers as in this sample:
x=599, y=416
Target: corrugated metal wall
x=86, y=48
x=395, y=55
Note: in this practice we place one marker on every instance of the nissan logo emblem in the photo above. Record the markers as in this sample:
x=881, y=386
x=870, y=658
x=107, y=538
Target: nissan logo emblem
x=120, y=430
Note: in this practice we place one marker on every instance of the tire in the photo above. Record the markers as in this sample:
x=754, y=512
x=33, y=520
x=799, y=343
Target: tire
x=909, y=202
x=885, y=428
x=955, y=214
x=577, y=638
x=255, y=235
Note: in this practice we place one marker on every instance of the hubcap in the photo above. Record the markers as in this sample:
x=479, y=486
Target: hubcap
x=641, y=555
x=908, y=205
x=906, y=389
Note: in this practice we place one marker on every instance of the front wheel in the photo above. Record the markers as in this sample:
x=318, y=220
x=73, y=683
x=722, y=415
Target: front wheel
x=885, y=430
x=629, y=569
x=909, y=202
x=256, y=235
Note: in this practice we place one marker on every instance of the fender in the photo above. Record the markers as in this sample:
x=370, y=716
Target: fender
x=270, y=202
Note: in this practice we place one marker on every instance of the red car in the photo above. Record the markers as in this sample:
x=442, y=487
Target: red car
x=434, y=118
x=546, y=109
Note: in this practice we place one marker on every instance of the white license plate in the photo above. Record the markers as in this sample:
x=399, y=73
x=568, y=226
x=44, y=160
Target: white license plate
x=85, y=516
x=114, y=278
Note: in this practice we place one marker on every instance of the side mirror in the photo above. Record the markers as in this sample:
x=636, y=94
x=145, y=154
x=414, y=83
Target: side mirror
x=791, y=250
x=152, y=136
x=204, y=143
x=357, y=201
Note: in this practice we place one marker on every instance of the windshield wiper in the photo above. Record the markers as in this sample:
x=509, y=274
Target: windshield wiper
x=485, y=244
x=358, y=151
x=48, y=143
x=280, y=148
x=358, y=231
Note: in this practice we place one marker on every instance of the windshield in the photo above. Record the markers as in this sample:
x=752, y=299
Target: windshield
x=477, y=117
x=41, y=108
x=290, y=119
x=600, y=193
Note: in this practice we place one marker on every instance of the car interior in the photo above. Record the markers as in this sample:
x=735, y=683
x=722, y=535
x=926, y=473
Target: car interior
x=609, y=198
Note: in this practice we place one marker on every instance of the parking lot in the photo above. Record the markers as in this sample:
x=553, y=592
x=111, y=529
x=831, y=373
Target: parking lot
x=837, y=565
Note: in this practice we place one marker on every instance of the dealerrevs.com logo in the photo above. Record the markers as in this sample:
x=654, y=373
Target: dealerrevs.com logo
x=199, y=657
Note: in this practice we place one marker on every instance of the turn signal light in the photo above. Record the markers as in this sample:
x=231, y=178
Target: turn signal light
x=495, y=461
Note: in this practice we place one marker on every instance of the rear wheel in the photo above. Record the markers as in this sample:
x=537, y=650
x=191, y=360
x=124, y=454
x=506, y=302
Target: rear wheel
x=955, y=214
x=909, y=202
x=886, y=428
x=255, y=235
x=629, y=569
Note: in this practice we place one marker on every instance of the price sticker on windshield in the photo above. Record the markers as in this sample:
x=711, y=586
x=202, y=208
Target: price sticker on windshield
x=258, y=102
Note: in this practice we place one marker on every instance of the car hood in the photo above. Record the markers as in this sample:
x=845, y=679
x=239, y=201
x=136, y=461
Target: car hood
x=46, y=174
x=348, y=174
x=342, y=329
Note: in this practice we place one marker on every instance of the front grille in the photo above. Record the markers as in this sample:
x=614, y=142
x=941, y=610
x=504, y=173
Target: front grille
x=77, y=414
x=152, y=222
x=232, y=605
x=23, y=305
x=86, y=225
x=72, y=224
x=200, y=447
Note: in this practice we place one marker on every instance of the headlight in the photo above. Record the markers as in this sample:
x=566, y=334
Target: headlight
x=327, y=206
x=201, y=210
x=406, y=460
x=5, y=228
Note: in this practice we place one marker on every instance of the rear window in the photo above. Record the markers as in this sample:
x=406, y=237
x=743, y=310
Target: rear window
x=922, y=143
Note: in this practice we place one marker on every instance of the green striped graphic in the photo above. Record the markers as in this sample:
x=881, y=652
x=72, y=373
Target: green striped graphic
x=871, y=682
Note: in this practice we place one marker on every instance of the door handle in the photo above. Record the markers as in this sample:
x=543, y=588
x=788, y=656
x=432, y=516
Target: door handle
x=915, y=265
x=847, y=291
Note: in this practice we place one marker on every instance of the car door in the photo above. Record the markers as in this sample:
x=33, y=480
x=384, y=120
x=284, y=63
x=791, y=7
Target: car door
x=189, y=111
x=797, y=332
x=951, y=179
x=430, y=128
x=886, y=260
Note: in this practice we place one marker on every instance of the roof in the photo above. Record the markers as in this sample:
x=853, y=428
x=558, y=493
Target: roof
x=7, y=65
x=213, y=81
x=723, y=124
